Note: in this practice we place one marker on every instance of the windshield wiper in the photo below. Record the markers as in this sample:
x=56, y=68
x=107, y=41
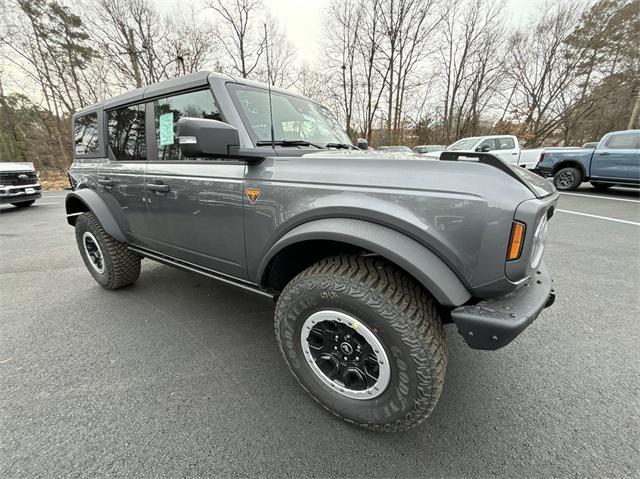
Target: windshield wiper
x=288, y=143
x=346, y=146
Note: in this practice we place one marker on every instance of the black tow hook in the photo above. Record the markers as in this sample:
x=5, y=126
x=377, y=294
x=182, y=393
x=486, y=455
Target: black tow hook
x=551, y=299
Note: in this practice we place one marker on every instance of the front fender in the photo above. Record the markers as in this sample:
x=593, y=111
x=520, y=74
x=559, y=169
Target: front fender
x=85, y=199
x=396, y=247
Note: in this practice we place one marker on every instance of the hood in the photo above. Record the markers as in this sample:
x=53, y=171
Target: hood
x=6, y=166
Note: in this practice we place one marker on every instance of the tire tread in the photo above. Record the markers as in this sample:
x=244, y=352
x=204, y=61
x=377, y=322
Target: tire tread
x=397, y=297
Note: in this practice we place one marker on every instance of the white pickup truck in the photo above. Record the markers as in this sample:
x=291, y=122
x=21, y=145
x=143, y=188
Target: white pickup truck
x=506, y=147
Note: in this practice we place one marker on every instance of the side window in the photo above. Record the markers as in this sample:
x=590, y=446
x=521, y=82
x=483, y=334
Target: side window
x=197, y=104
x=624, y=141
x=85, y=133
x=488, y=142
x=126, y=133
x=506, y=143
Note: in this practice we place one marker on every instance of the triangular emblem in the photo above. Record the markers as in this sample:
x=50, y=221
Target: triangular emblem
x=253, y=194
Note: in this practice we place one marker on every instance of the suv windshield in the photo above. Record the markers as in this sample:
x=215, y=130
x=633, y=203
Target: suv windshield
x=464, y=144
x=294, y=118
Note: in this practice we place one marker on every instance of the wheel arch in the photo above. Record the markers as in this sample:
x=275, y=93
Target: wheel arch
x=317, y=239
x=570, y=163
x=84, y=200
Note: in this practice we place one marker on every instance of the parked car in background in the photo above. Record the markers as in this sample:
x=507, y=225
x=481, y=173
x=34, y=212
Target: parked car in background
x=19, y=184
x=615, y=160
x=421, y=149
x=506, y=147
x=395, y=149
x=590, y=145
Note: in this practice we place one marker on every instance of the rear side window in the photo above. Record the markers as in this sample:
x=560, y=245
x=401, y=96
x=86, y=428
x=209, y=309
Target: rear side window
x=624, y=141
x=126, y=133
x=197, y=104
x=505, y=143
x=85, y=133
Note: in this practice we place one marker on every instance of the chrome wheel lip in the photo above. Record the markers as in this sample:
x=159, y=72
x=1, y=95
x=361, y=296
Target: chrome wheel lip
x=384, y=374
x=96, y=258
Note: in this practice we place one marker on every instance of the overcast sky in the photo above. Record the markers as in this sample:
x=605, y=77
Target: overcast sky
x=303, y=19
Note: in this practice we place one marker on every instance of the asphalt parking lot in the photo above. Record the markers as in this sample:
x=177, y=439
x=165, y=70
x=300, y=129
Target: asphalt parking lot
x=179, y=375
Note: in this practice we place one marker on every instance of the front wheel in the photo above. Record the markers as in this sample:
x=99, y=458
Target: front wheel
x=364, y=340
x=567, y=179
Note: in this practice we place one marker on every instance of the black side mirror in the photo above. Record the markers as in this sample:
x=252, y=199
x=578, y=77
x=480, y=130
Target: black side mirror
x=362, y=144
x=483, y=149
x=199, y=137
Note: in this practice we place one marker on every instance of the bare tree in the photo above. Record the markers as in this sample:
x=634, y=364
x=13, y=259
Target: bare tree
x=543, y=71
x=190, y=41
x=341, y=40
x=241, y=33
x=470, y=59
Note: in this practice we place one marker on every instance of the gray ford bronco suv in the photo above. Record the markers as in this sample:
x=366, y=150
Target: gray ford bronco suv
x=368, y=254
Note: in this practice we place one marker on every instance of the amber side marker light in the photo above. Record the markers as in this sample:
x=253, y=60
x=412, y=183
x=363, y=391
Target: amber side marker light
x=516, y=241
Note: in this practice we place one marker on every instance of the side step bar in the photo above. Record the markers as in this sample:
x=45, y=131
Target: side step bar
x=185, y=265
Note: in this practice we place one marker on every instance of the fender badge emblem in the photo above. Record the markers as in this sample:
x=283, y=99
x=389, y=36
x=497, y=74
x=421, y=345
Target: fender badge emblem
x=253, y=194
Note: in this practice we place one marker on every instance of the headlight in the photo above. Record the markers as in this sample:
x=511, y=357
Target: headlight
x=538, y=242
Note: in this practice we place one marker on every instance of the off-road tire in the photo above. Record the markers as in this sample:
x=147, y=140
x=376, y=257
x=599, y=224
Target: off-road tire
x=405, y=319
x=601, y=186
x=568, y=172
x=121, y=266
x=23, y=204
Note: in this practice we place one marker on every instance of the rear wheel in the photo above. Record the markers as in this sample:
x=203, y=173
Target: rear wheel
x=24, y=204
x=567, y=179
x=110, y=263
x=364, y=340
x=601, y=186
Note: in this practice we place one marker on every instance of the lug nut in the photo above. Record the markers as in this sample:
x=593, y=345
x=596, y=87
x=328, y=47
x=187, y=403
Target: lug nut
x=335, y=347
x=345, y=358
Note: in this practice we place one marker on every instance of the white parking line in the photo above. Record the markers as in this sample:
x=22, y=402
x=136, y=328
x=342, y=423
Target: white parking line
x=600, y=217
x=601, y=197
x=51, y=196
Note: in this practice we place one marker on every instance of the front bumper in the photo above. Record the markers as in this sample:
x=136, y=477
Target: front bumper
x=18, y=194
x=494, y=323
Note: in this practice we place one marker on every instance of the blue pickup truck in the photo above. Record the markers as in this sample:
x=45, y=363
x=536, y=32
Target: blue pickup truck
x=614, y=161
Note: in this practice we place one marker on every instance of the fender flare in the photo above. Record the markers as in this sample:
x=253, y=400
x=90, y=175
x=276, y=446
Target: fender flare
x=92, y=202
x=417, y=260
x=570, y=162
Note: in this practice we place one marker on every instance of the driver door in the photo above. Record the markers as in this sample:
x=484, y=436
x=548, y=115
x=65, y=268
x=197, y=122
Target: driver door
x=194, y=206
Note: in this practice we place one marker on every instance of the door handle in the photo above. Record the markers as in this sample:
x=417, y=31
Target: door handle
x=604, y=153
x=106, y=181
x=160, y=187
x=514, y=153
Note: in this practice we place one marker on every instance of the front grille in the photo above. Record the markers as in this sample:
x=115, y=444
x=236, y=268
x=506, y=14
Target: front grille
x=16, y=178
